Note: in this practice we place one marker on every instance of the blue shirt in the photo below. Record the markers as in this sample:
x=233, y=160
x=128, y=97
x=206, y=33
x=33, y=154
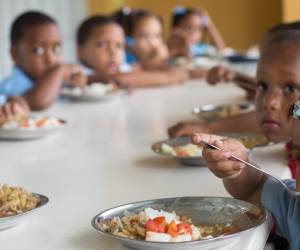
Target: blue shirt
x=201, y=49
x=17, y=84
x=285, y=209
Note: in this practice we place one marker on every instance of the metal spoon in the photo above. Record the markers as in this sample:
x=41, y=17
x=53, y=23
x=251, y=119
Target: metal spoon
x=294, y=193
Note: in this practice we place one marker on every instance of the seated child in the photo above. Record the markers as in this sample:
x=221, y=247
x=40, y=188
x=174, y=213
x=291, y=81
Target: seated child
x=101, y=49
x=274, y=124
x=36, y=50
x=248, y=184
x=147, y=47
x=189, y=26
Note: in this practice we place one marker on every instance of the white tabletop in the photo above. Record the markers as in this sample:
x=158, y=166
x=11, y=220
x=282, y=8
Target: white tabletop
x=101, y=159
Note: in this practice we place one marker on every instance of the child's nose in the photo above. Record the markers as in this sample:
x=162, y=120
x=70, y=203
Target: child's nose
x=273, y=100
x=50, y=58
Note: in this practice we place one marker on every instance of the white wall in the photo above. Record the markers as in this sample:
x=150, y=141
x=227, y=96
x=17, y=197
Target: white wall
x=68, y=14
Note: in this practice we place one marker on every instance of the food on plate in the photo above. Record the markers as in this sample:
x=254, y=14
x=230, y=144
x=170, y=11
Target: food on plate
x=252, y=140
x=94, y=89
x=162, y=226
x=188, y=150
x=31, y=123
x=16, y=200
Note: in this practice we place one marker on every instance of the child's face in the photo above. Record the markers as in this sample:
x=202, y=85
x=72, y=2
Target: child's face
x=39, y=50
x=278, y=79
x=192, y=25
x=104, y=49
x=147, y=35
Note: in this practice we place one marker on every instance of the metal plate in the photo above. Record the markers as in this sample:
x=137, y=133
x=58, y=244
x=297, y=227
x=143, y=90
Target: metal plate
x=14, y=220
x=211, y=112
x=250, y=140
x=202, y=210
x=95, y=98
x=28, y=134
x=190, y=161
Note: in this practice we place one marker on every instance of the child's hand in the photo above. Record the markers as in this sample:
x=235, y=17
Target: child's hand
x=178, y=75
x=15, y=108
x=219, y=161
x=187, y=128
x=74, y=75
x=220, y=74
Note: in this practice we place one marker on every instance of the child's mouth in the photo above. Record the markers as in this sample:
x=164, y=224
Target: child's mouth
x=270, y=124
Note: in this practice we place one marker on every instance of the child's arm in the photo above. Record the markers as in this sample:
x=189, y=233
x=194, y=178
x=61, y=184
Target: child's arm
x=47, y=88
x=220, y=74
x=240, y=181
x=236, y=124
x=216, y=36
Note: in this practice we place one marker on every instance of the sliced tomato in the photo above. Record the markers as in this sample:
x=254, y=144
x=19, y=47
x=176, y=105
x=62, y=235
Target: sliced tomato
x=183, y=228
x=40, y=123
x=157, y=225
x=172, y=229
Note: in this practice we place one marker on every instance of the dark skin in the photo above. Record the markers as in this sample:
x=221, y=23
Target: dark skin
x=38, y=54
x=277, y=91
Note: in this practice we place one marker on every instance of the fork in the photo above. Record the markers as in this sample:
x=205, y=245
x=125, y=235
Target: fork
x=294, y=193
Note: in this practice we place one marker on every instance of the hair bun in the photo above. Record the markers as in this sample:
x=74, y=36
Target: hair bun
x=179, y=10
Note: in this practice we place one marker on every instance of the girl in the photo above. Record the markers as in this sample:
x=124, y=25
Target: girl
x=191, y=24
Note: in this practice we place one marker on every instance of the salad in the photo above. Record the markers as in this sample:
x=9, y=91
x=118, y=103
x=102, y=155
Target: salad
x=188, y=150
x=161, y=226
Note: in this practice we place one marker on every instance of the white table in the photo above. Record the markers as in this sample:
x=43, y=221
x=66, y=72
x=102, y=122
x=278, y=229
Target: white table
x=103, y=159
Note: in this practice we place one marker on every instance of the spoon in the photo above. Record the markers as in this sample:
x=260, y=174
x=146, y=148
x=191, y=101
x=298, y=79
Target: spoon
x=294, y=193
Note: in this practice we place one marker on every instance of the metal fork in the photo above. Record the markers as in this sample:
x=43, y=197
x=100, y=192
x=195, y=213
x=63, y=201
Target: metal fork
x=294, y=193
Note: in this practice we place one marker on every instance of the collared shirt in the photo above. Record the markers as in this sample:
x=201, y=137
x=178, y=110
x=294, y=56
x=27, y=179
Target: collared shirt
x=285, y=209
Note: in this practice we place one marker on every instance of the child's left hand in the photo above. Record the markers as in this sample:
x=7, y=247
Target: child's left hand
x=74, y=75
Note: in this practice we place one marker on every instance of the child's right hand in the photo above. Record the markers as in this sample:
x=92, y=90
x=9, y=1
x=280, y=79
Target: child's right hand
x=220, y=74
x=15, y=108
x=219, y=161
x=74, y=75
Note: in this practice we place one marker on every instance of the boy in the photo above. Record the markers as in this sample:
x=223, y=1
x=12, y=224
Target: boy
x=279, y=84
x=36, y=51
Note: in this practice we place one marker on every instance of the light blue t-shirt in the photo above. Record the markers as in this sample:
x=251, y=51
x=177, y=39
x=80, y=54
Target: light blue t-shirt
x=17, y=84
x=201, y=49
x=285, y=209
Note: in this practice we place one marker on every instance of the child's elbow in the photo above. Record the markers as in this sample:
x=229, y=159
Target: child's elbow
x=38, y=104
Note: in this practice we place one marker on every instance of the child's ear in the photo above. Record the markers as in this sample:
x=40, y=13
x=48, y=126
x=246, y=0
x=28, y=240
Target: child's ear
x=80, y=53
x=14, y=54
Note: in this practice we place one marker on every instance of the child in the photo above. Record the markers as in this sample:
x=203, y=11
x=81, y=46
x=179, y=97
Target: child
x=36, y=51
x=101, y=50
x=191, y=24
x=279, y=85
x=147, y=48
x=251, y=185
x=248, y=122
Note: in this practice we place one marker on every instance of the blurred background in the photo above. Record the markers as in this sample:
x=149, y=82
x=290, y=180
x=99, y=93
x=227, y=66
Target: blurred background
x=241, y=22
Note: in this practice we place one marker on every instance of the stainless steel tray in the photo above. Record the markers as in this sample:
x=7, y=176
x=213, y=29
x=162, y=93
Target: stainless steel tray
x=14, y=220
x=28, y=134
x=202, y=210
x=189, y=161
x=211, y=112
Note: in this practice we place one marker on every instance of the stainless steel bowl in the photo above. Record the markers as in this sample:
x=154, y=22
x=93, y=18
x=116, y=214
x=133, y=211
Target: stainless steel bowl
x=202, y=210
x=211, y=112
x=189, y=161
x=28, y=134
x=14, y=220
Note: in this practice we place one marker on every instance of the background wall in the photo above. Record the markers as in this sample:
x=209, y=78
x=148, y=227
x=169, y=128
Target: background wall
x=242, y=22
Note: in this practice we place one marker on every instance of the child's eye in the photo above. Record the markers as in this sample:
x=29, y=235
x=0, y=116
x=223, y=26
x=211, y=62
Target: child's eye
x=261, y=86
x=57, y=49
x=38, y=50
x=291, y=88
x=101, y=44
x=120, y=45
